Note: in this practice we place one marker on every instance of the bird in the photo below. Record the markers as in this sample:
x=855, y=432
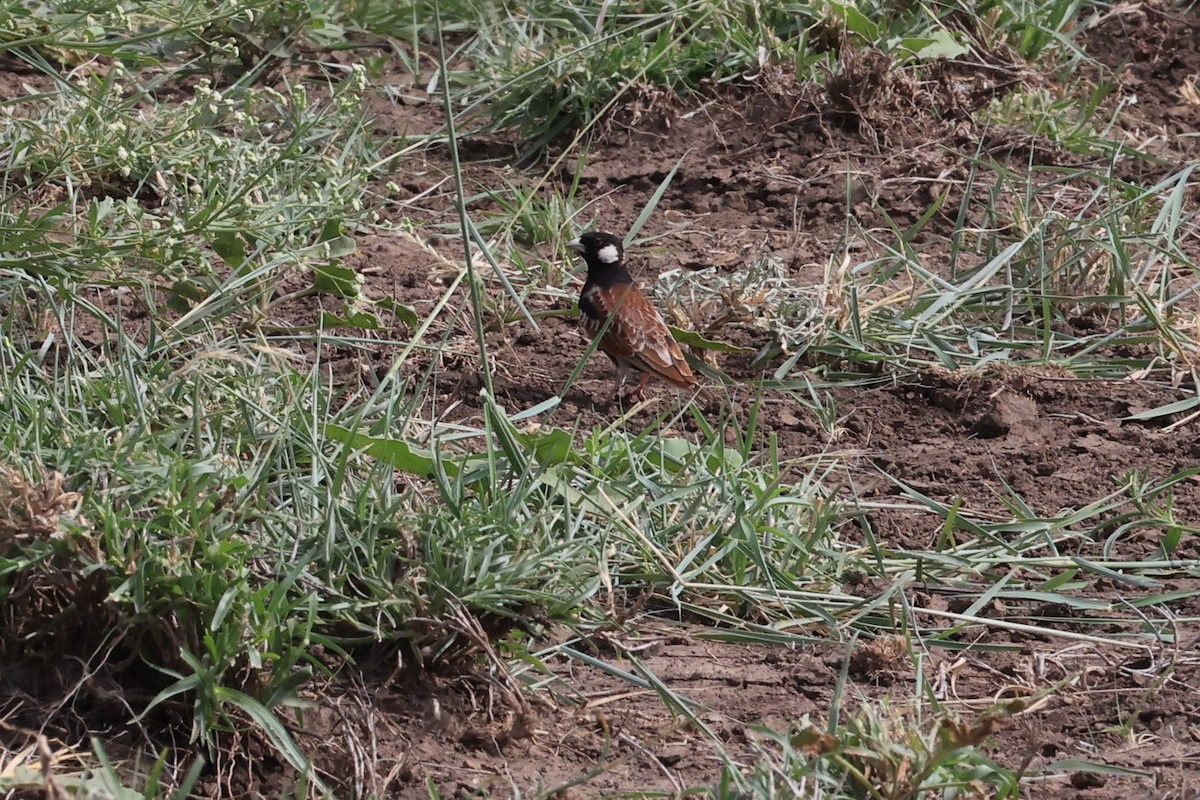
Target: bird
x=632, y=332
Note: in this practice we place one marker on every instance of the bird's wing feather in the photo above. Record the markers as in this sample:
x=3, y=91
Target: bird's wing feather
x=639, y=336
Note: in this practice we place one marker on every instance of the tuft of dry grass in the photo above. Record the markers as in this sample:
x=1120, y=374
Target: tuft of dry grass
x=32, y=510
x=33, y=764
x=882, y=661
x=49, y=598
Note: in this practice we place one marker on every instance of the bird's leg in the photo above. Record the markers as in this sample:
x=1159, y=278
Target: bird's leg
x=639, y=394
x=621, y=378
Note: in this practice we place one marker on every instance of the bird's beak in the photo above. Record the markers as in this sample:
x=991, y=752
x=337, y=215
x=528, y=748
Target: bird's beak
x=576, y=245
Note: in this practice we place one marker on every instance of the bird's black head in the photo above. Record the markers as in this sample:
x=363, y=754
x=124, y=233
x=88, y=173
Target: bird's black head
x=603, y=253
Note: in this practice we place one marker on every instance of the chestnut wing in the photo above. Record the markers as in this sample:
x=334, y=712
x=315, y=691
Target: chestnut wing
x=638, y=334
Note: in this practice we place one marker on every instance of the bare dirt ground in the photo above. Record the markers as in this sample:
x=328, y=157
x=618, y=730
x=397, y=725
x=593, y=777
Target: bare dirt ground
x=780, y=185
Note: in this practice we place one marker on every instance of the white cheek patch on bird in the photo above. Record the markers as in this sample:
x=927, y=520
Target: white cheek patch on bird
x=608, y=254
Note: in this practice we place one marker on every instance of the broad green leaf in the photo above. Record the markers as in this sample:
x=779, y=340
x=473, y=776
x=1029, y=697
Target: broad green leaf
x=353, y=318
x=185, y=295
x=404, y=313
x=857, y=22
x=944, y=45
x=672, y=454
x=231, y=245
x=936, y=45
x=338, y=281
x=339, y=246
x=1171, y=538
x=694, y=339
x=550, y=447
x=223, y=606
x=395, y=452
x=332, y=229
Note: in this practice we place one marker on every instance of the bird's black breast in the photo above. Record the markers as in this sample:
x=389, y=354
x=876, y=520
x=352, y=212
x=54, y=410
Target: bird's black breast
x=587, y=307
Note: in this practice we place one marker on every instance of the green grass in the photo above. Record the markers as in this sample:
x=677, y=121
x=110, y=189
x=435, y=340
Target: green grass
x=547, y=69
x=193, y=505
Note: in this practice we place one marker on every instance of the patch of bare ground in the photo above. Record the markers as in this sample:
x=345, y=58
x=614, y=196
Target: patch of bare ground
x=1153, y=52
x=603, y=734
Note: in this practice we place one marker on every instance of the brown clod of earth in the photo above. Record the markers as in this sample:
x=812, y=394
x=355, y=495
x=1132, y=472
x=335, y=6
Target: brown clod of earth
x=1009, y=411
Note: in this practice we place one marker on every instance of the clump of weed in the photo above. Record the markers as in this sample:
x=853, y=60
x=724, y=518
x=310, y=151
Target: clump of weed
x=881, y=661
x=33, y=510
x=763, y=296
x=53, y=584
x=175, y=190
x=865, y=81
x=885, y=750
